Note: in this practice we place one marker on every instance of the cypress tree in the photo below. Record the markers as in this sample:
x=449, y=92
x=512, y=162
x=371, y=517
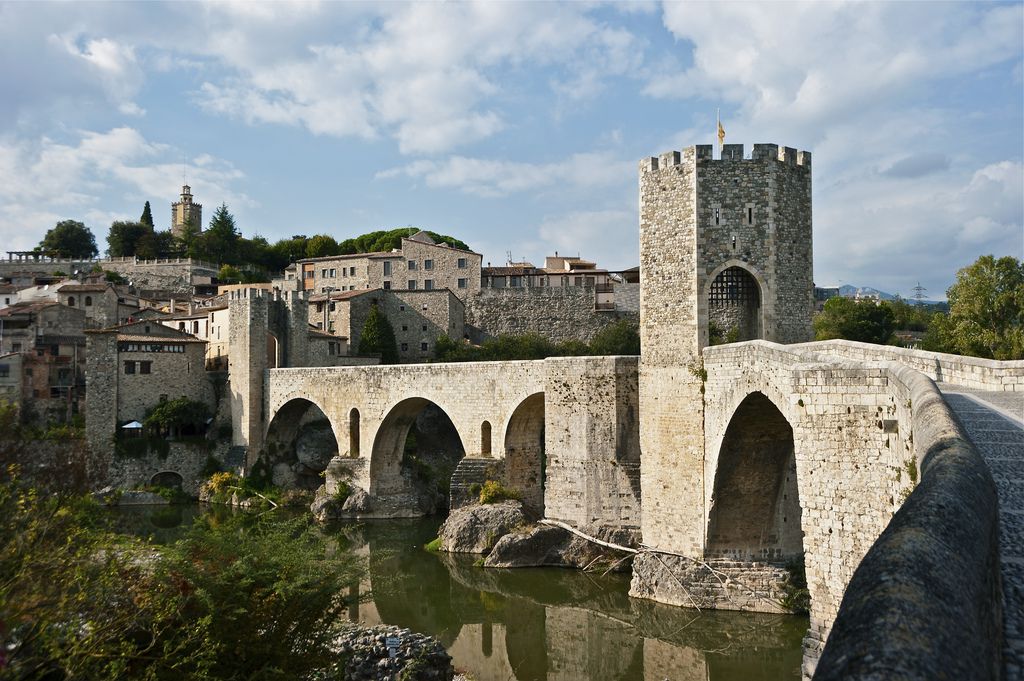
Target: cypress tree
x=147, y=216
x=379, y=337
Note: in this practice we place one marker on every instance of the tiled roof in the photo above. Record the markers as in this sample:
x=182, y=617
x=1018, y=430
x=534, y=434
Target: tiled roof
x=156, y=340
x=82, y=288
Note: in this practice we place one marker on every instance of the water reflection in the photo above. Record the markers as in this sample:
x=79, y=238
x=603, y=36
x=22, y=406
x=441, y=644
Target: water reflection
x=539, y=624
x=559, y=625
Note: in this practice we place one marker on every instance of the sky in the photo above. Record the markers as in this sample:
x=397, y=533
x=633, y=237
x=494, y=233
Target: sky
x=518, y=127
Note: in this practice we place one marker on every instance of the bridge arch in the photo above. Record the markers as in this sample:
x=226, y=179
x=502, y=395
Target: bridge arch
x=754, y=513
x=524, y=450
x=171, y=479
x=390, y=441
x=300, y=417
x=733, y=300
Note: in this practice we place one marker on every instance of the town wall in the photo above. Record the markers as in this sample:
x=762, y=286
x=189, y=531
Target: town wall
x=557, y=313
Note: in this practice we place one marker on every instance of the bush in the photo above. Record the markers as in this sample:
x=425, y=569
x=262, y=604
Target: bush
x=342, y=493
x=493, y=491
x=434, y=545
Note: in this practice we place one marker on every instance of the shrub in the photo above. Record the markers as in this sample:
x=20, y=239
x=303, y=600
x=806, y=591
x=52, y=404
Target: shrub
x=341, y=494
x=433, y=545
x=493, y=491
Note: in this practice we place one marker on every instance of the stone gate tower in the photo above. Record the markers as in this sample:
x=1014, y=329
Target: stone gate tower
x=725, y=255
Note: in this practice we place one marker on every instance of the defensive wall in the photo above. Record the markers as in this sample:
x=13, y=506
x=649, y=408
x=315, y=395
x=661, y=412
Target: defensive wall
x=566, y=427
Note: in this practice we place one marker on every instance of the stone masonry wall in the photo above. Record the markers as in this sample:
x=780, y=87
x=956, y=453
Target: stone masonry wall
x=590, y=420
x=559, y=313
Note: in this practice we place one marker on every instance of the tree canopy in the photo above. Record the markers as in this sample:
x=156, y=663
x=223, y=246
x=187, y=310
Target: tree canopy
x=986, y=311
x=70, y=239
x=147, y=216
x=378, y=337
x=857, y=320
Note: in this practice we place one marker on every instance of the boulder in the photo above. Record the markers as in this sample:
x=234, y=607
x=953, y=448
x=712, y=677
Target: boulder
x=283, y=476
x=539, y=545
x=390, y=652
x=477, y=528
x=315, y=445
x=358, y=501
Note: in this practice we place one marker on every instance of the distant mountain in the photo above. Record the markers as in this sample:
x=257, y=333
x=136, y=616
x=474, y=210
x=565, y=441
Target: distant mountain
x=848, y=291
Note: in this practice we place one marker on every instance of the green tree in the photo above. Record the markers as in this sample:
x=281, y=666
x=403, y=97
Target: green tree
x=123, y=238
x=856, y=320
x=147, y=216
x=378, y=337
x=219, y=242
x=229, y=274
x=986, y=311
x=620, y=338
x=177, y=415
x=69, y=239
x=321, y=245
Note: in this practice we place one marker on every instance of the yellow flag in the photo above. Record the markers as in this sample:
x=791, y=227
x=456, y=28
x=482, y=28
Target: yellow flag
x=721, y=134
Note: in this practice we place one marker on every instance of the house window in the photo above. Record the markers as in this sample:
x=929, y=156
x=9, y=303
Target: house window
x=145, y=367
x=5, y=370
x=387, y=285
x=429, y=284
x=71, y=301
x=387, y=268
x=423, y=346
x=424, y=327
x=515, y=282
x=412, y=265
x=405, y=347
x=462, y=263
x=334, y=272
x=579, y=281
x=401, y=308
x=412, y=284
x=352, y=271
x=330, y=348
x=195, y=327
x=308, y=274
x=424, y=306
x=129, y=367
x=181, y=326
x=323, y=273
x=405, y=327
x=15, y=347
x=428, y=264
x=88, y=301
x=462, y=283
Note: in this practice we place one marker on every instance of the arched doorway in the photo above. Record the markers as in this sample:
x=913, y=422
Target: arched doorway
x=524, y=451
x=273, y=352
x=414, y=453
x=734, y=307
x=300, y=442
x=755, y=507
x=169, y=479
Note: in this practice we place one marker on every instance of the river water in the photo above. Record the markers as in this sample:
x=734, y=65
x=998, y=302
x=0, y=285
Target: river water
x=537, y=624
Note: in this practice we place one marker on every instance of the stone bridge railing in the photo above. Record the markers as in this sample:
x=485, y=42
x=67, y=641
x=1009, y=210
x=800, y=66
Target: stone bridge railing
x=925, y=603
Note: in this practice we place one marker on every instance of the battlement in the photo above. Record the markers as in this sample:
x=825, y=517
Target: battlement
x=703, y=153
x=247, y=293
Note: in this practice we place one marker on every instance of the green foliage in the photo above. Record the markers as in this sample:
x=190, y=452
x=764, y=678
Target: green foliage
x=474, y=489
x=986, y=311
x=177, y=415
x=210, y=466
x=321, y=245
x=147, y=216
x=855, y=320
x=173, y=495
x=434, y=545
x=378, y=337
x=620, y=338
x=69, y=239
x=123, y=237
x=909, y=317
x=114, y=277
x=341, y=494
x=222, y=603
x=492, y=491
x=229, y=274
x=796, y=598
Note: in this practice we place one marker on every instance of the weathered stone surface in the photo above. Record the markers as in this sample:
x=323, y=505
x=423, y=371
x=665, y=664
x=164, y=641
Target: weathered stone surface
x=417, y=656
x=476, y=529
x=283, y=476
x=358, y=501
x=536, y=546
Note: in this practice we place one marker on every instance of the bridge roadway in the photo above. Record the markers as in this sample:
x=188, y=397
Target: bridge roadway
x=995, y=423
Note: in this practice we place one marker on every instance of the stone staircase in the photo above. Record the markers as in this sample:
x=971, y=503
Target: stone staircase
x=469, y=471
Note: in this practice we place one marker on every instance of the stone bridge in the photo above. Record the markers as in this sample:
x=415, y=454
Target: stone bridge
x=562, y=430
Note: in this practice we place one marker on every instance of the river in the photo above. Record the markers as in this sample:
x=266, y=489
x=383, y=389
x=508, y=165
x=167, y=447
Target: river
x=536, y=624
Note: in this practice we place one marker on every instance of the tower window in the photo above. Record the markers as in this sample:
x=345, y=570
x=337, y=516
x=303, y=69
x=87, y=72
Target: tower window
x=750, y=215
x=718, y=216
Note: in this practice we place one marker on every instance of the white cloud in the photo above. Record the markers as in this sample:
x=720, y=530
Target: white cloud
x=42, y=181
x=495, y=178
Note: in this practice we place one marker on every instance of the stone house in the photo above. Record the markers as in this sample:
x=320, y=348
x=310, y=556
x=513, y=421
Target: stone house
x=558, y=272
x=418, y=317
x=8, y=294
x=102, y=303
x=47, y=379
x=419, y=265
x=134, y=367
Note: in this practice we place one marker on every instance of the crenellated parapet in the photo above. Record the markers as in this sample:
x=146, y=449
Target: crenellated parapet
x=703, y=153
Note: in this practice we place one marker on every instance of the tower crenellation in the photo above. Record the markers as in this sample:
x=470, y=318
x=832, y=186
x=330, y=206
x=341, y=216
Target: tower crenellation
x=185, y=210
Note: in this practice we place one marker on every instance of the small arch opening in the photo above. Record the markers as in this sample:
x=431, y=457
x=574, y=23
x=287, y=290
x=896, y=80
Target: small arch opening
x=353, y=433
x=71, y=301
x=485, y=438
x=88, y=301
x=299, y=444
